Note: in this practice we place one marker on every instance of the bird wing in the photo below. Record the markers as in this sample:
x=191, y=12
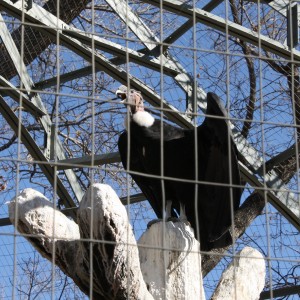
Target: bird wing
x=217, y=166
x=145, y=158
x=150, y=187
x=221, y=168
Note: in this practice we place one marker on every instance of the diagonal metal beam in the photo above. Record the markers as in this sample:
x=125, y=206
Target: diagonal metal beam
x=49, y=24
x=36, y=153
x=278, y=5
x=145, y=35
x=185, y=27
x=138, y=27
x=63, y=78
x=280, y=197
x=280, y=292
x=28, y=85
x=120, y=51
x=8, y=89
x=223, y=25
x=281, y=157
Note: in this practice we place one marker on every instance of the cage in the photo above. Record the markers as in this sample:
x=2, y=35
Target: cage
x=61, y=63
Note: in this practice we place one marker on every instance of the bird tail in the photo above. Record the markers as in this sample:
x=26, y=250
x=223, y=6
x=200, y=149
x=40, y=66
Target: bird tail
x=224, y=240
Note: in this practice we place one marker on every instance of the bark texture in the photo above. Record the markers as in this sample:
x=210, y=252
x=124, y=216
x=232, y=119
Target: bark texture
x=101, y=255
x=244, y=278
x=171, y=269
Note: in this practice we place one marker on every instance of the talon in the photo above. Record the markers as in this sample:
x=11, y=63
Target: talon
x=153, y=222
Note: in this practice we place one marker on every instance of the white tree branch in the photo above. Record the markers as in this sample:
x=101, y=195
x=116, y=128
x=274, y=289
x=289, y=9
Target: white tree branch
x=244, y=278
x=101, y=254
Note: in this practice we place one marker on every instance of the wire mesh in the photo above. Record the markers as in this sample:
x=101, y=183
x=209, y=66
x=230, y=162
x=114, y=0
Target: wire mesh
x=76, y=70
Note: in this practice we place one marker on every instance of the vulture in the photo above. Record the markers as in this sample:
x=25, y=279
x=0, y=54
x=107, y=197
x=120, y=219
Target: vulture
x=164, y=160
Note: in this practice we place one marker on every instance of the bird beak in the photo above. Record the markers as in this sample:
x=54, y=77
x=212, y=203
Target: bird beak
x=118, y=92
x=121, y=95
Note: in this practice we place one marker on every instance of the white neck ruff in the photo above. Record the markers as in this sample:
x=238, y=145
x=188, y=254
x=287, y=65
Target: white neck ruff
x=143, y=118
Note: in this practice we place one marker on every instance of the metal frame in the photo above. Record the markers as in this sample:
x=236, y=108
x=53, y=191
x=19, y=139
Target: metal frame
x=285, y=202
x=37, y=102
x=79, y=42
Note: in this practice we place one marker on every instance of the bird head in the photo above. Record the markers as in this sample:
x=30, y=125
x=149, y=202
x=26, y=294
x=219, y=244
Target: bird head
x=132, y=98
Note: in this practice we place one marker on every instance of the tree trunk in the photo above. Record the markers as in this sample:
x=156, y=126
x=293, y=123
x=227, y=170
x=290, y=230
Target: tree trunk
x=101, y=254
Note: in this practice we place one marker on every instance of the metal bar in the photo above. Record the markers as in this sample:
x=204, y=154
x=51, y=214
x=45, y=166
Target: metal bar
x=278, y=5
x=283, y=200
x=85, y=71
x=133, y=199
x=187, y=25
x=280, y=292
x=222, y=25
x=121, y=52
x=35, y=152
x=124, y=200
x=183, y=28
x=86, y=161
x=138, y=27
x=281, y=157
x=5, y=222
x=63, y=78
x=292, y=25
x=7, y=89
x=212, y=5
x=15, y=56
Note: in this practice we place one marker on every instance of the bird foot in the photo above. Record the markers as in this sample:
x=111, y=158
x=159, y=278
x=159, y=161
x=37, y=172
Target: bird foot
x=153, y=222
x=183, y=220
x=170, y=219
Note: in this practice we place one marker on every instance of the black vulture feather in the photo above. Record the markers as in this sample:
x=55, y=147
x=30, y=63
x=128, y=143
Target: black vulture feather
x=208, y=204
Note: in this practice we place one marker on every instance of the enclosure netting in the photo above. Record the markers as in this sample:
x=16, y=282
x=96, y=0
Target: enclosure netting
x=259, y=86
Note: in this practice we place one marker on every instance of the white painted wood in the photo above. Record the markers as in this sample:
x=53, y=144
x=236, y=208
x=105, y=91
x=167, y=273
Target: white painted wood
x=115, y=259
x=167, y=264
x=34, y=214
x=244, y=278
x=171, y=261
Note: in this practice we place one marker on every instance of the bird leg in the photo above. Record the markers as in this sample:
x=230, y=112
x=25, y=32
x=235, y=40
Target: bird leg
x=168, y=215
x=182, y=216
x=168, y=210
